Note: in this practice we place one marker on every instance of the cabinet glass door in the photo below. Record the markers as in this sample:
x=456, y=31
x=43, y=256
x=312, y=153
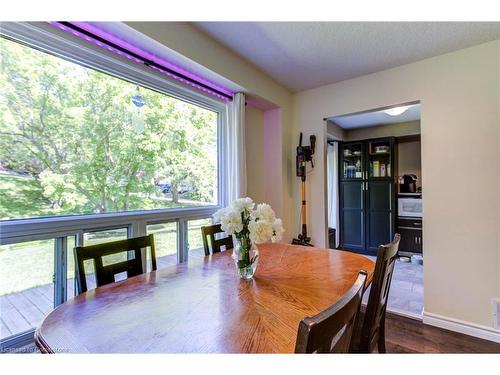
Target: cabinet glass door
x=352, y=161
x=379, y=158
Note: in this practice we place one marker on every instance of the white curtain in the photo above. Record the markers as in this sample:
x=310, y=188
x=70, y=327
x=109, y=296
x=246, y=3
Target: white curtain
x=235, y=153
x=333, y=186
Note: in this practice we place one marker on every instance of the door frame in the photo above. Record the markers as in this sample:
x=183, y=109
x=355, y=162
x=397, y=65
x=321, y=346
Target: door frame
x=325, y=151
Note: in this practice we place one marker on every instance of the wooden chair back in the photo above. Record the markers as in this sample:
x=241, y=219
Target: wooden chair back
x=331, y=330
x=373, y=325
x=210, y=232
x=106, y=274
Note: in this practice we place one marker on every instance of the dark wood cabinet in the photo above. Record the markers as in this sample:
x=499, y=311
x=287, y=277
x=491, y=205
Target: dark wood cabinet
x=380, y=214
x=366, y=194
x=352, y=215
x=410, y=230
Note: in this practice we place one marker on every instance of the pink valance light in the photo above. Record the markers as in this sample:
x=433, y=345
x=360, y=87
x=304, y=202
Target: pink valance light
x=93, y=34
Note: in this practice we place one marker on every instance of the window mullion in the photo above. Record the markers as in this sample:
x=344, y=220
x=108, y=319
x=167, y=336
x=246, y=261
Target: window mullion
x=78, y=242
x=182, y=249
x=60, y=270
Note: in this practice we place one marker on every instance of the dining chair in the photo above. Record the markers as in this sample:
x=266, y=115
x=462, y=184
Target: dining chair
x=331, y=330
x=209, y=232
x=105, y=274
x=370, y=325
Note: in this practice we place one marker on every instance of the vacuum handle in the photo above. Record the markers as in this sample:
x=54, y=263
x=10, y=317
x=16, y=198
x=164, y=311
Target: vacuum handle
x=312, y=139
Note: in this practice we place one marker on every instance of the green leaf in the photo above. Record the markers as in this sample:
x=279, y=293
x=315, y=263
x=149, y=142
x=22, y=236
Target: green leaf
x=243, y=264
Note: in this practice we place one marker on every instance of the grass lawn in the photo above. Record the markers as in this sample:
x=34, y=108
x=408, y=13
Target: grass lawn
x=22, y=197
x=30, y=264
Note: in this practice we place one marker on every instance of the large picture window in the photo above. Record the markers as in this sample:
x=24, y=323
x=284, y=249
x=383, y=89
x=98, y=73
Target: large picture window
x=74, y=140
x=93, y=149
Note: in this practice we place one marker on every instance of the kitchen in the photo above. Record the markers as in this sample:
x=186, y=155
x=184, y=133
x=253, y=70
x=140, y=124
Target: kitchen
x=374, y=161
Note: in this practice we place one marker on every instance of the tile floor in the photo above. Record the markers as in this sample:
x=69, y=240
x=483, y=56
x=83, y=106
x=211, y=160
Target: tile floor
x=406, y=296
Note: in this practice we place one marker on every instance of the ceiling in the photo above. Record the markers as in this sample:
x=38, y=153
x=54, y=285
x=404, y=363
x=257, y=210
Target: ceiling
x=304, y=55
x=374, y=118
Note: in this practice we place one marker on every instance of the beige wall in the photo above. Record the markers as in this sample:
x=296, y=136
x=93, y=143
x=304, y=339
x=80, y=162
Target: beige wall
x=254, y=139
x=409, y=159
x=459, y=94
x=335, y=131
x=460, y=110
x=273, y=146
x=185, y=39
x=391, y=130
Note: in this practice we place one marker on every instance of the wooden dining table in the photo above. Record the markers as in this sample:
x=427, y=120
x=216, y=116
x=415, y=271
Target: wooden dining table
x=202, y=306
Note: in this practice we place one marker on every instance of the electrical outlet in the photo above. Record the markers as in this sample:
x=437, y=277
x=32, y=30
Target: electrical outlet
x=495, y=303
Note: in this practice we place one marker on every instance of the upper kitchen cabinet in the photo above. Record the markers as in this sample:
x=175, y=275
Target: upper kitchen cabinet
x=380, y=158
x=367, y=159
x=352, y=166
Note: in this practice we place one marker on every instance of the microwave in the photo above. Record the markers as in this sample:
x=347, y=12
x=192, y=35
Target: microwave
x=411, y=207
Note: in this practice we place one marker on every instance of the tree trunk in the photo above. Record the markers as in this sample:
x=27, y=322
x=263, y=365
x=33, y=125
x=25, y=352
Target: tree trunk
x=103, y=208
x=125, y=204
x=175, y=193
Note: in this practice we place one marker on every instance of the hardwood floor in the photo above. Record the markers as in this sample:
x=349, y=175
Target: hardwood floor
x=404, y=335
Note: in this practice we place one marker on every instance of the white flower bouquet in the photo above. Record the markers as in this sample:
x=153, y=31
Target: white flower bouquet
x=250, y=224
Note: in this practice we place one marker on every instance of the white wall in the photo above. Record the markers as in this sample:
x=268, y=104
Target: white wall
x=460, y=106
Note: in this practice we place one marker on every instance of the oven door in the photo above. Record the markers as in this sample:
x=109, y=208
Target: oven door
x=411, y=207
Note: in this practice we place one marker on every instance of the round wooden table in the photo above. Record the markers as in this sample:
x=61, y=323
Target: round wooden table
x=203, y=307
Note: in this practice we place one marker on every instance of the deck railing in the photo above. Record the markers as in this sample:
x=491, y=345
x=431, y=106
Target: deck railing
x=37, y=264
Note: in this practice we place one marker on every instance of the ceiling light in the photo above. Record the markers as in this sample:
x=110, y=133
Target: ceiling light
x=396, y=111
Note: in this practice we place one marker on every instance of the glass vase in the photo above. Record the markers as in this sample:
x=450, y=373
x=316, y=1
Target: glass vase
x=246, y=258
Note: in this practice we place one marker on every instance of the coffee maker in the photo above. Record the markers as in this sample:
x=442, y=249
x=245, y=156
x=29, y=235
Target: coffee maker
x=408, y=184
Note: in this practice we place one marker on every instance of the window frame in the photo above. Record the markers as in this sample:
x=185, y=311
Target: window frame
x=45, y=38
x=53, y=41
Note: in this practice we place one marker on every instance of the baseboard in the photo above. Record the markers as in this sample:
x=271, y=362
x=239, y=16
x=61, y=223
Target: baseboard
x=404, y=313
x=460, y=326
x=399, y=312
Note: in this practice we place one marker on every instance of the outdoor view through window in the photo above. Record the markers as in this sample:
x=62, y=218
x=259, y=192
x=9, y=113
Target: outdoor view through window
x=77, y=141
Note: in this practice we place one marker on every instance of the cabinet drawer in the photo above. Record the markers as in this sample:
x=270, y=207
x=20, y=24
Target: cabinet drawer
x=411, y=240
x=409, y=223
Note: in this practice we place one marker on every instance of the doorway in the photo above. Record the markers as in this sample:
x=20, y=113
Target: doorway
x=374, y=190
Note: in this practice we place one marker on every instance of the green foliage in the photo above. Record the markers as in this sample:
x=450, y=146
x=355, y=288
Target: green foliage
x=87, y=148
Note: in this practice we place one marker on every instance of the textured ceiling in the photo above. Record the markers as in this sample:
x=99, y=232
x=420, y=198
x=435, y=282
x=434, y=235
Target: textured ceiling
x=377, y=117
x=304, y=55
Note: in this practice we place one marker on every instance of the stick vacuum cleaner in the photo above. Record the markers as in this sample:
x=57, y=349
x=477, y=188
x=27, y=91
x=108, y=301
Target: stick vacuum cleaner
x=304, y=155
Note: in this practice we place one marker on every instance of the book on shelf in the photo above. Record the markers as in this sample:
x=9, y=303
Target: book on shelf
x=375, y=168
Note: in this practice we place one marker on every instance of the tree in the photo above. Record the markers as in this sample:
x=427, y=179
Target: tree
x=74, y=131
